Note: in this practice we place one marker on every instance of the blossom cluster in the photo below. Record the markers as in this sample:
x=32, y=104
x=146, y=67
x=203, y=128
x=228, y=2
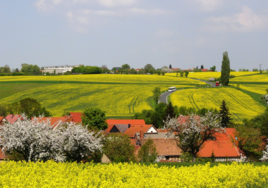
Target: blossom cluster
x=35, y=140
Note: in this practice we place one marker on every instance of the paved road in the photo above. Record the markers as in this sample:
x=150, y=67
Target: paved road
x=163, y=97
x=213, y=84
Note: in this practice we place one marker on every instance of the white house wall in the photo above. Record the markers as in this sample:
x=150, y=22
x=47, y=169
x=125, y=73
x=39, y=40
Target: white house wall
x=152, y=130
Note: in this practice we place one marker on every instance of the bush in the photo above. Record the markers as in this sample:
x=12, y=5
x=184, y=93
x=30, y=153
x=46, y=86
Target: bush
x=118, y=148
x=87, y=70
x=147, y=152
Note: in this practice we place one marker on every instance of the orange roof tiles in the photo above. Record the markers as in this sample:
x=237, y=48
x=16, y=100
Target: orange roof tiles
x=76, y=117
x=136, y=129
x=1, y=118
x=126, y=121
x=222, y=146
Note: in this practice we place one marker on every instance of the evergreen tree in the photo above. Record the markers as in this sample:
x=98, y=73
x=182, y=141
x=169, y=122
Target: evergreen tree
x=224, y=115
x=170, y=110
x=202, y=67
x=225, y=69
x=170, y=66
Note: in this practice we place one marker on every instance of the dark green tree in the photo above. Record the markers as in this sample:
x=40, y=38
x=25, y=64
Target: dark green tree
x=126, y=66
x=31, y=107
x=148, y=153
x=148, y=67
x=147, y=115
x=170, y=110
x=181, y=73
x=225, y=69
x=170, y=66
x=213, y=68
x=94, y=118
x=157, y=93
x=159, y=115
x=186, y=73
x=6, y=69
x=3, y=111
x=202, y=67
x=118, y=148
x=259, y=122
x=225, y=118
x=248, y=140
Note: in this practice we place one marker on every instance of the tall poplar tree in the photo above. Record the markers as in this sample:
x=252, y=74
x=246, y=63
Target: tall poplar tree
x=225, y=69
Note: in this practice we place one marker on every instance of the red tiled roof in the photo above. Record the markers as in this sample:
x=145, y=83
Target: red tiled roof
x=166, y=146
x=12, y=118
x=175, y=69
x=204, y=70
x=55, y=121
x=76, y=117
x=136, y=129
x=126, y=121
x=222, y=146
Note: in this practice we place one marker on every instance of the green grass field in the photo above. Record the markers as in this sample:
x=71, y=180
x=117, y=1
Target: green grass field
x=119, y=95
x=241, y=105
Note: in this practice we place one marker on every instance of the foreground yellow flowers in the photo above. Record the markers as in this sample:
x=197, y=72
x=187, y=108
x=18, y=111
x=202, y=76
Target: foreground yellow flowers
x=51, y=174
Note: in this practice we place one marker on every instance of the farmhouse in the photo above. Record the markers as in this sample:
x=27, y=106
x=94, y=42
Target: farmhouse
x=167, y=149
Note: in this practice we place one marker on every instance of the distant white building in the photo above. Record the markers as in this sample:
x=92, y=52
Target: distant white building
x=59, y=69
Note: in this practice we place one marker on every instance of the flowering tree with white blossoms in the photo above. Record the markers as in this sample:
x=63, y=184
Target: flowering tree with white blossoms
x=74, y=142
x=31, y=139
x=35, y=140
x=193, y=130
x=265, y=155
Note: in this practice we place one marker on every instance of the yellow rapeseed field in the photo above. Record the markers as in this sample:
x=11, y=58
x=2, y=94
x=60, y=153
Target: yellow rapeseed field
x=115, y=99
x=240, y=104
x=255, y=88
x=118, y=95
x=207, y=75
x=104, y=78
x=54, y=175
x=252, y=78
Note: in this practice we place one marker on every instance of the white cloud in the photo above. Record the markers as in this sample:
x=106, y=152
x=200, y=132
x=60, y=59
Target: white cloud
x=244, y=21
x=45, y=5
x=114, y=3
x=140, y=11
x=209, y=5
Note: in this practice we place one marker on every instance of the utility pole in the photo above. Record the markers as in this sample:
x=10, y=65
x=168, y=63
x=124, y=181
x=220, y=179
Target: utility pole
x=260, y=68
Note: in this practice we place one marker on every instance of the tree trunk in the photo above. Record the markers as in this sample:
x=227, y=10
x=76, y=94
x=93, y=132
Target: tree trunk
x=194, y=158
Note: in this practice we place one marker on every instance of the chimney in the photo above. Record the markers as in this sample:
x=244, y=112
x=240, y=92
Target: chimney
x=141, y=135
x=128, y=125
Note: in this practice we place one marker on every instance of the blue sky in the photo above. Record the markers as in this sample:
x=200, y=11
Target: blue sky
x=183, y=33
